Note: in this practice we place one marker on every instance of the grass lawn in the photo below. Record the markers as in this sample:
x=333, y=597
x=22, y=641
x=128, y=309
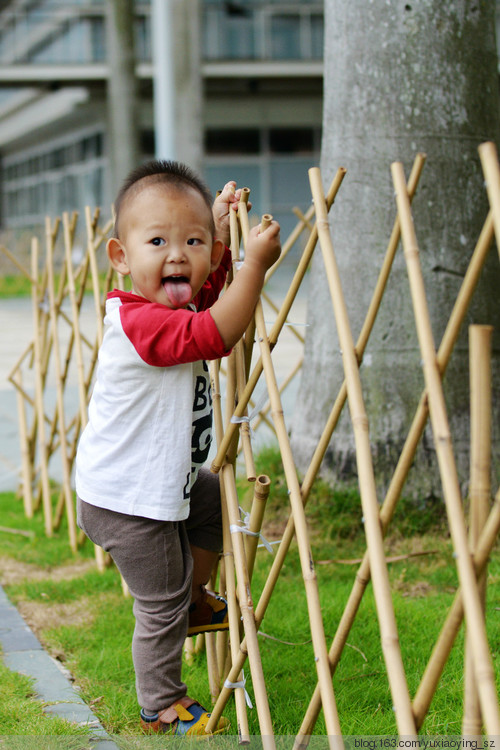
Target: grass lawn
x=84, y=620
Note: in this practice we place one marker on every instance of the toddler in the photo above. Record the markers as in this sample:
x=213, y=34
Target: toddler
x=142, y=491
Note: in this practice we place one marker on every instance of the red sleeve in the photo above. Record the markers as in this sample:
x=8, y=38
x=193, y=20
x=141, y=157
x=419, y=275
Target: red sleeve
x=163, y=337
x=209, y=293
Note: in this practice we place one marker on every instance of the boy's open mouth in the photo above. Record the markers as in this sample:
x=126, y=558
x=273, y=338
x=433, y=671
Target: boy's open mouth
x=178, y=290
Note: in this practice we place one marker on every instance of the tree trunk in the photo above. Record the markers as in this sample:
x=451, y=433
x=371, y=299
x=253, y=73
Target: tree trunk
x=401, y=78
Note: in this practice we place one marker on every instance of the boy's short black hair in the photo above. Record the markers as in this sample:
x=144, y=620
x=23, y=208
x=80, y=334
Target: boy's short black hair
x=163, y=172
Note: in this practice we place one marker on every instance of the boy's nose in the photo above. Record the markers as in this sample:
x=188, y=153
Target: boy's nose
x=175, y=254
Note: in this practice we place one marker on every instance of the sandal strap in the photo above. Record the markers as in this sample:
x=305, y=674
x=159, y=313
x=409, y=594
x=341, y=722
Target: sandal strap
x=192, y=720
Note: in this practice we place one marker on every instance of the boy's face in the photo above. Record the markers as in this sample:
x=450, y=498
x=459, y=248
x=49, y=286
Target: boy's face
x=166, y=244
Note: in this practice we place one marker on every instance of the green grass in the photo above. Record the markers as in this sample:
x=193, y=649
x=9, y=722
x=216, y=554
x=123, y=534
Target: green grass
x=15, y=286
x=18, y=285
x=21, y=714
x=88, y=622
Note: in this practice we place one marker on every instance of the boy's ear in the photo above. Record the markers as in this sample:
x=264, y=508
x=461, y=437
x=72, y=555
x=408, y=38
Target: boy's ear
x=116, y=255
x=217, y=254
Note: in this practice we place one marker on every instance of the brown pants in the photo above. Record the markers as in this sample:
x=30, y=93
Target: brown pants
x=155, y=561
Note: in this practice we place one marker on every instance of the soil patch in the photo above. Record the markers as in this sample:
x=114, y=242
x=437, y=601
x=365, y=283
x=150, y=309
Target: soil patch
x=15, y=571
x=41, y=617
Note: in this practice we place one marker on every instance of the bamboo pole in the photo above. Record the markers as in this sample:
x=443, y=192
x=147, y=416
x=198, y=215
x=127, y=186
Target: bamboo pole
x=230, y=578
x=278, y=325
x=239, y=362
x=451, y=626
x=246, y=607
x=267, y=299
x=18, y=265
x=305, y=554
x=62, y=374
x=224, y=576
x=26, y=466
x=479, y=492
x=292, y=238
x=363, y=576
x=405, y=461
x=93, y=243
x=262, y=416
x=258, y=507
x=76, y=321
x=91, y=250
x=234, y=567
x=378, y=566
x=39, y=378
x=442, y=439
x=489, y=162
x=66, y=488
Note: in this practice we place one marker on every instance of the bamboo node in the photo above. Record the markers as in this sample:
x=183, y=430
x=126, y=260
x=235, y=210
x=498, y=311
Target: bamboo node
x=361, y=421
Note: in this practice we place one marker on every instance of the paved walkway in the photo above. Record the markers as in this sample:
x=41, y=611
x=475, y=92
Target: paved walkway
x=23, y=652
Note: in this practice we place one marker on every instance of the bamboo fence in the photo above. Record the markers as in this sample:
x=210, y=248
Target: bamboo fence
x=47, y=427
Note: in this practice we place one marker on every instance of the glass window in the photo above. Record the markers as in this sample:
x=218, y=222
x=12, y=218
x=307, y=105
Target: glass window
x=224, y=141
x=285, y=37
x=289, y=181
x=317, y=34
x=97, y=39
x=229, y=34
x=143, y=38
x=291, y=140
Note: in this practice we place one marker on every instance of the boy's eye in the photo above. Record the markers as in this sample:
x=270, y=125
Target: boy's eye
x=157, y=241
x=194, y=241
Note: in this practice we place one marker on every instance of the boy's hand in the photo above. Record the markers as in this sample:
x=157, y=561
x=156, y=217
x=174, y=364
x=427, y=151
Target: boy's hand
x=227, y=200
x=233, y=311
x=264, y=247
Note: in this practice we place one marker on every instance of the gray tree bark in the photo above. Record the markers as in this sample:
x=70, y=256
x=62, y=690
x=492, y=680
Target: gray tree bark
x=402, y=77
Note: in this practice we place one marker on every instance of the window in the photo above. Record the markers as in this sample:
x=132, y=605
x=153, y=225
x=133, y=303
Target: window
x=66, y=177
x=224, y=141
x=266, y=31
x=275, y=169
x=285, y=36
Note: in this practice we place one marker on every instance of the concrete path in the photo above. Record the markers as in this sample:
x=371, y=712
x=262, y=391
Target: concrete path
x=23, y=652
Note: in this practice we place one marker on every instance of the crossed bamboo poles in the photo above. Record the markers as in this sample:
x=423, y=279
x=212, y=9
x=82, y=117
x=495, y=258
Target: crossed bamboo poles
x=238, y=556
x=51, y=432
x=409, y=716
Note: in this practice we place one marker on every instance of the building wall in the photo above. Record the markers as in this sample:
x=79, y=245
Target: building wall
x=262, y=97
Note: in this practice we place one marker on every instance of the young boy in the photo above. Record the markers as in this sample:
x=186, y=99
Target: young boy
x=142, y=492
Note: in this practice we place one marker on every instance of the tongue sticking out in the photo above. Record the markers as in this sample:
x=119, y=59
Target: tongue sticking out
x=178, y=292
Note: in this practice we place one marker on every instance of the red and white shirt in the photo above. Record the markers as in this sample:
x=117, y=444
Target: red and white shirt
x=150, y=415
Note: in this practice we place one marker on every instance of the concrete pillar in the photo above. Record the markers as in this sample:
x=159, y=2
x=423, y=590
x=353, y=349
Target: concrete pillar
x=177, y=80
x=123, y=138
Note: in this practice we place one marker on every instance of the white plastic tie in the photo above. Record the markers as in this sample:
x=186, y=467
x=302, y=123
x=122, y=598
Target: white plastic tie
x=323, y=223
x=244, y=529
x=254, y=413
x=44, y=304
x=240, y=684
x=234, y=529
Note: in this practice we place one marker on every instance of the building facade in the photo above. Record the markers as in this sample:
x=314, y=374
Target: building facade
x=261, y=89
